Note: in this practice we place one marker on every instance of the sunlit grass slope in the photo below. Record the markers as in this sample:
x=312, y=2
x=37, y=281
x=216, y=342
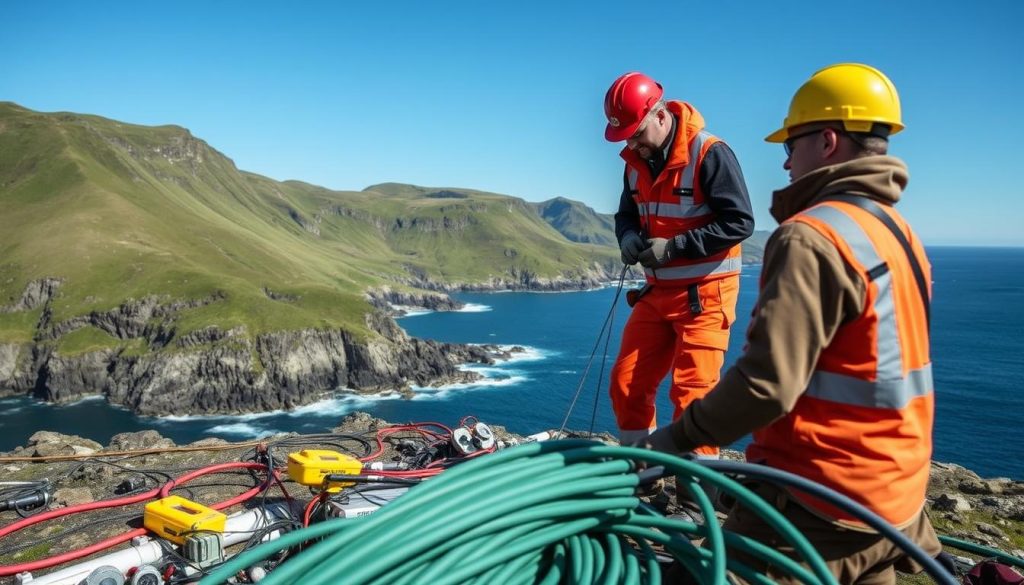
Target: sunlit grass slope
x=121, y=211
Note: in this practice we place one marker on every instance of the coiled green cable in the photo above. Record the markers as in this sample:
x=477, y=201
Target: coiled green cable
x=551, y=512
x=984, y=551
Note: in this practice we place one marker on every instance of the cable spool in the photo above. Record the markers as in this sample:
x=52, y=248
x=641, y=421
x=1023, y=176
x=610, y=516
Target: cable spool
x=483, y=436
x=147, y=575
x=105, y=575
x=462, y=440
x=557, y=512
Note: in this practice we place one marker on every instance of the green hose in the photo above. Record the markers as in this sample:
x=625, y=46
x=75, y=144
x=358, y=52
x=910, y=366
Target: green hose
x=552, y=512
x=984, y=551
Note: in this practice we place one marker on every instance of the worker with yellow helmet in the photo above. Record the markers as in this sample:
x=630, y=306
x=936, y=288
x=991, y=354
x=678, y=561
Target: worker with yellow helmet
x=835, y=382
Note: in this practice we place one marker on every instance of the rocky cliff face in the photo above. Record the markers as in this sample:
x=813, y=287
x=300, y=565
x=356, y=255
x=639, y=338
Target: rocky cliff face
x=594, y=276
x=397, y=303
x=214, y=371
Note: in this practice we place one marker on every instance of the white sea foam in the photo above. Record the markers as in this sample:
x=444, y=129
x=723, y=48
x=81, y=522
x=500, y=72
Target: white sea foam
x=443, y=392
x=475, y=308
x=343, y=404
x=529, y=354
x=173, y=418
x=411, y=311
x=241, y=429
x=90, y=398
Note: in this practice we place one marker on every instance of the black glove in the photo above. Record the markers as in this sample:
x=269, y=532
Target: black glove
x=661, y=250
x=631, y=245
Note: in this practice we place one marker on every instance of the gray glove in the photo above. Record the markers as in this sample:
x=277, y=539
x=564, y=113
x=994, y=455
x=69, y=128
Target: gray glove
x=661, y=251
x=630, y=246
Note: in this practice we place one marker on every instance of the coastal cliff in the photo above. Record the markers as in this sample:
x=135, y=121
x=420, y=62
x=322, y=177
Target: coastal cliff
x=215, y=371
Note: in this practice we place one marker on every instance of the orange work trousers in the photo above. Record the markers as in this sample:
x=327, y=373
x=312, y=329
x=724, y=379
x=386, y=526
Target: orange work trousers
x=669, y=330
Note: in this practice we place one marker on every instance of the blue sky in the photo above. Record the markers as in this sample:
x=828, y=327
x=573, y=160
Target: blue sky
x=507, y=96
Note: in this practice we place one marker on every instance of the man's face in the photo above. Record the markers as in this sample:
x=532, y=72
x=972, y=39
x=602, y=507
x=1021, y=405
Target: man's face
x=648, y=138
x=804, y=151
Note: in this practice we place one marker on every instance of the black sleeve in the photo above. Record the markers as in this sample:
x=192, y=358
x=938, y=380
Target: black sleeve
x=725, y=193
x=627, y=218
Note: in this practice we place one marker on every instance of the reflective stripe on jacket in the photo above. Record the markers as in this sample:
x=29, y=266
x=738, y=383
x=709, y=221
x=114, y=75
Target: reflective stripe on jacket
x=674, y=202
x=863, y=426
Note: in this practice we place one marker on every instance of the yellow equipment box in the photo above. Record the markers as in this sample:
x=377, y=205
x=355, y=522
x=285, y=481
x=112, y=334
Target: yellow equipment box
x=310, y=466
x=174, y=518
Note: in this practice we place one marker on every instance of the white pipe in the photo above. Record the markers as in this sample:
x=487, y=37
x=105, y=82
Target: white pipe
x=239, y=528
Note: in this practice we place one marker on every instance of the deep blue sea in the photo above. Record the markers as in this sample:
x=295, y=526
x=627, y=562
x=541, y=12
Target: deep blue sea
x=978, y=318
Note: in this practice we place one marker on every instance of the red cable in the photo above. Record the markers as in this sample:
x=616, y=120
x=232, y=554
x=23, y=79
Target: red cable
x=70, y=556
x=166, y=489
x=75, y=509
x=309, y=508
x=126, y=536
x=421, y=428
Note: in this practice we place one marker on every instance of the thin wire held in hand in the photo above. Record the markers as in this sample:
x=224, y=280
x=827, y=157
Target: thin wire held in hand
x=597, y=342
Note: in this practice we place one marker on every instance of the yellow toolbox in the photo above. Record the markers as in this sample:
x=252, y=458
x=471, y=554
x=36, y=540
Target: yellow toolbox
x=310, y=466
x=174, y=518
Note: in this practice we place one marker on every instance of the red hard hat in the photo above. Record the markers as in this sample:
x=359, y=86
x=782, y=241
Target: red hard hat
x=628, y=100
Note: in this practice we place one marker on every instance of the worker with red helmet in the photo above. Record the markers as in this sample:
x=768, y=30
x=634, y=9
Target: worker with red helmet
x=683, y=212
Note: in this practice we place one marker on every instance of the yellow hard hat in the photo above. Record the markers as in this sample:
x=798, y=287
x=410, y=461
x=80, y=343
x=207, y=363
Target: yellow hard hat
x=858, y=95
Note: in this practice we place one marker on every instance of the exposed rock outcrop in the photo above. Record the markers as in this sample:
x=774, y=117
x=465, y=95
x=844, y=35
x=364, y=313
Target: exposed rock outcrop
x=132, y=319
x=521, y=279
x=210, y=370
x=37, y=293
x=397, y=303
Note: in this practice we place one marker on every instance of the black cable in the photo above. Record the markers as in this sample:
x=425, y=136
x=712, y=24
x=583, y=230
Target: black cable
x=593, y=352
x=151, y=474
x=26, y=496
x=69, y=531
x=331, y=439
x=169, y=550
x=604, y=358
x=776, y=476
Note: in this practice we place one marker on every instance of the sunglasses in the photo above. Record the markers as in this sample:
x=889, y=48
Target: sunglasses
x=787, y=145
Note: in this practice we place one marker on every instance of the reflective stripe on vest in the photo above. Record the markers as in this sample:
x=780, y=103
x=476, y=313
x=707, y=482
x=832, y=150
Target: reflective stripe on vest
x=734, y=264
x=673, y=203
x=686, y=178
x=890, y=356
x=863, y=425
x=878, y=394
x=684, y=209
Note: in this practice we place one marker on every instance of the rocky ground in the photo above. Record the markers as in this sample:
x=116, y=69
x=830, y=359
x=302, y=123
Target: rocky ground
x=961, y=504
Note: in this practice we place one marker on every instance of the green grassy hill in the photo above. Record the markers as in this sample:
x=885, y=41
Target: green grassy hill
x=577, y=222
x=120, y=211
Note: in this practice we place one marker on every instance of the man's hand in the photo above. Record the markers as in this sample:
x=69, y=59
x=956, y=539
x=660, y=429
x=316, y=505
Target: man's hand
x=661, y=250
x=630, y=247
x=661, y=440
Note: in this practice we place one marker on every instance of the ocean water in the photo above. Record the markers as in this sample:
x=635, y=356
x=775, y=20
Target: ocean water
x=978, y=317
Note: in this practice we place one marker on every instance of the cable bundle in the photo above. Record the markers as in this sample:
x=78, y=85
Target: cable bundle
x=552, y=512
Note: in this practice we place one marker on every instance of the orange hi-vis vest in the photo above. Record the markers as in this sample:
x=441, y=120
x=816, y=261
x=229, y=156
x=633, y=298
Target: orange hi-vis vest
x=863, y=426
x=674, y=203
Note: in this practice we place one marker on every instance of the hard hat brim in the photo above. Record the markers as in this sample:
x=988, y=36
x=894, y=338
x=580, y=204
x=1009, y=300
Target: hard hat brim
x=778, y=136
x=619, y=133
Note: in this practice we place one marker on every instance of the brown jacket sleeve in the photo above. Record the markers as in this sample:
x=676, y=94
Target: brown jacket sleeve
x=808, y=291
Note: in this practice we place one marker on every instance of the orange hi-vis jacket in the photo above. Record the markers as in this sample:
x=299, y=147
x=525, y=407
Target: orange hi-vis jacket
x=863, y=426
x=673, y=202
